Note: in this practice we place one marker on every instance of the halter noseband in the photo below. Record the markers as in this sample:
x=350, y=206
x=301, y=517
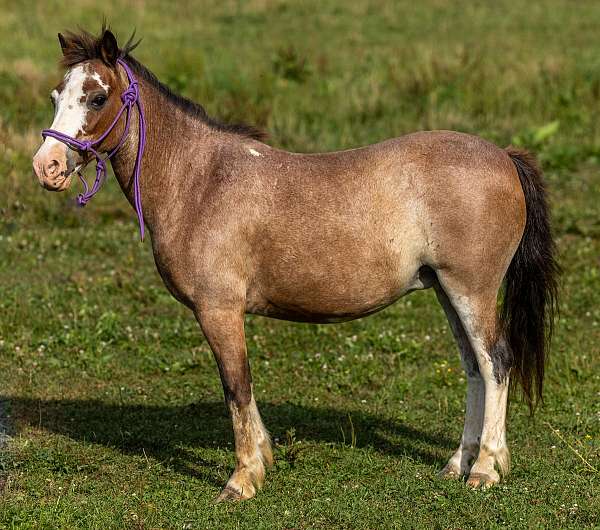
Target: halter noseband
x=130, y=97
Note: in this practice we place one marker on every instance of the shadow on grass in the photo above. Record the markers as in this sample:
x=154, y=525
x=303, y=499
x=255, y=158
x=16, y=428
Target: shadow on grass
x=170, y=434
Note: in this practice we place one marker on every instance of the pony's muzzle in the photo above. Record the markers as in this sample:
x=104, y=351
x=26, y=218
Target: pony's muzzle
x=51, y=167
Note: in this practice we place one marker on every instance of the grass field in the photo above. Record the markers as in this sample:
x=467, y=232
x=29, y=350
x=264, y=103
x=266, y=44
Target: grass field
x=110, y=394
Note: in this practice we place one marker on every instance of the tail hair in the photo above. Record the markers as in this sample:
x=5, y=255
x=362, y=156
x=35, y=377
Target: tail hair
x=530, y=302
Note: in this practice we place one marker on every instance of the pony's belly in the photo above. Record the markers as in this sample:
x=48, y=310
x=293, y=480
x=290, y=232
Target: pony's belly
x=313, y=314
x=335, y=299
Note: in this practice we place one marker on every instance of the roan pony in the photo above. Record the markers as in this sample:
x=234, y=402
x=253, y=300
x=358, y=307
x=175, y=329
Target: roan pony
x=240, y=227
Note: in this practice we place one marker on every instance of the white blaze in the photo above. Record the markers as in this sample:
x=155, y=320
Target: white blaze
x=70, y=109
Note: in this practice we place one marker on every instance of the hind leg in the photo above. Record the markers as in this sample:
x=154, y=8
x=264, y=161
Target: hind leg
x=468, y=450
x=493, y=360
x=476, y=310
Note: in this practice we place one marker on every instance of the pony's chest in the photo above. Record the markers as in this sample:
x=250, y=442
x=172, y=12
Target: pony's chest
x=200, y=265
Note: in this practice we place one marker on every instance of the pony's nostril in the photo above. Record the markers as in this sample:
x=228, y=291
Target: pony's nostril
x=52, y=168
x=52, y=165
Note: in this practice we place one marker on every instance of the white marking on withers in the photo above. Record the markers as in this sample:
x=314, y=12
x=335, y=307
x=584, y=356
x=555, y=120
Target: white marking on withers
x=254, y=152
x=71, y=110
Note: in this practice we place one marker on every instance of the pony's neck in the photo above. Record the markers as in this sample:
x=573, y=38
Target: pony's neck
x=179, y=149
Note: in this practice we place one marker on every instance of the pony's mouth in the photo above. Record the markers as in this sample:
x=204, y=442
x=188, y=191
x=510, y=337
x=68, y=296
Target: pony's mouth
x=71, y=170
x=58, y=184
x=75, y=162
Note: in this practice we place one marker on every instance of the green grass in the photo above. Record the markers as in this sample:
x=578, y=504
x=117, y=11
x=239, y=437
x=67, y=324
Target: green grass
x=114, y=403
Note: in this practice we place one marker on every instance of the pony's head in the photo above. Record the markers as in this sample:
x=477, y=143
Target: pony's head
x=85, y=103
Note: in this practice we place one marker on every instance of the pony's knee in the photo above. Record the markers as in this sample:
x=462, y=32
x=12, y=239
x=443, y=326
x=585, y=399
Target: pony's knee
x=238, y=392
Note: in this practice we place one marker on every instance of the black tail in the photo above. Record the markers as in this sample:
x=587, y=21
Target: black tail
x=530, y=298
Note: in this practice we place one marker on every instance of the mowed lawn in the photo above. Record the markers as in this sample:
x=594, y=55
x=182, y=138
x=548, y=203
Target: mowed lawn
x=109, y=393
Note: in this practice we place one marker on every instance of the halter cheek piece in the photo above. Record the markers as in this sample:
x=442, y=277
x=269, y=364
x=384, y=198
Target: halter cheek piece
x=130, y=97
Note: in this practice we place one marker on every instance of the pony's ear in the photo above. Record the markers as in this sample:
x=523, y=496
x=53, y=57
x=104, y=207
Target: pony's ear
x=109, y=50
x=63, y=43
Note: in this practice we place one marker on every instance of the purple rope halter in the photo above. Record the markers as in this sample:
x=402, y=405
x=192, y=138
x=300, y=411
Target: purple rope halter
x=130, y=97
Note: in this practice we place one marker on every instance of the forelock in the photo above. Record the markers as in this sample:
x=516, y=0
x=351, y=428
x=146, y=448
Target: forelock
x=84, y=46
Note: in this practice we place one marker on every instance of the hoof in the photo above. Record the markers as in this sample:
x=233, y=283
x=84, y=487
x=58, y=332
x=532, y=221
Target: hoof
x=230, y=494
x=450, y=472
x=482, y=480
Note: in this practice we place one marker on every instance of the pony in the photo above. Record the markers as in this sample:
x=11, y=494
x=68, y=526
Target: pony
x=238, y=227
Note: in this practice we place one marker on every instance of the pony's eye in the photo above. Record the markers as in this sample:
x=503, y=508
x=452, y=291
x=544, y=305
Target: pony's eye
x=53, y=102
x=98, y=101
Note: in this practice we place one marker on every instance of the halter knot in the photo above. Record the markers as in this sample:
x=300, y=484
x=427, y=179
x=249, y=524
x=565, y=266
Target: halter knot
x=130, y=96
x=82, y=199
x=86, y=145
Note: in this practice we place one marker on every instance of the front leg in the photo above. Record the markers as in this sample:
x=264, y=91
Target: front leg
x=224, y=330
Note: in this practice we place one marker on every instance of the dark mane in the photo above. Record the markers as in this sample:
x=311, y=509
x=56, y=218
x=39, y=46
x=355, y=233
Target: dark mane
x=84, y=46
x=190, y=107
